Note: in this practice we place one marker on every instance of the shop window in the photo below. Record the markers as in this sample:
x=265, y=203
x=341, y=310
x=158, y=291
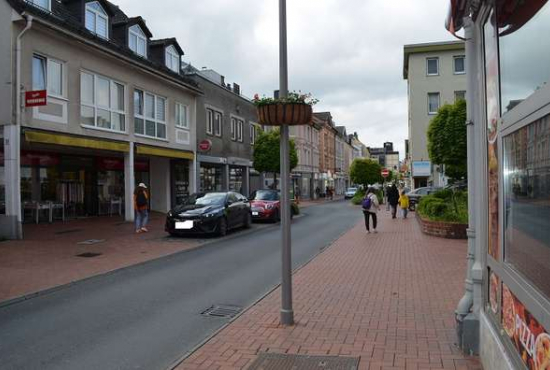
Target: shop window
x=102, y=102
x=149, y=114
x=524, y=57
x=526, y=206
x=211, y=178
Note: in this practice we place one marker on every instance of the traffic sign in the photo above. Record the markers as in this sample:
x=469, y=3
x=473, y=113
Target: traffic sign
x=385, y=172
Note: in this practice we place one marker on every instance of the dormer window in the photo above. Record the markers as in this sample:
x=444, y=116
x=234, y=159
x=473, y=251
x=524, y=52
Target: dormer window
x=97, y=20
x=42, y=4
x=172, y=59
x=137, y=41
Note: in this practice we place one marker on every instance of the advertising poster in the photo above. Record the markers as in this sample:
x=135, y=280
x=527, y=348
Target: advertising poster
x=531, y=340
x=494, y=292
x=493, y=112
x=422, y=168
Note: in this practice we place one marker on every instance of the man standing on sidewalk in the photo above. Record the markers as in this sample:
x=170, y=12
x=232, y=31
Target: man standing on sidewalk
x=393, y=199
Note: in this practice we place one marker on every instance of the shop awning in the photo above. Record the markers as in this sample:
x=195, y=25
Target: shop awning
x=164, y=152
x=68, y=140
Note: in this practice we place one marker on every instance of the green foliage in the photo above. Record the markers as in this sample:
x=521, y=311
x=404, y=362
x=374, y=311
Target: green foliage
x=447, y=139
x=445, y=205
x=358, y=197
x=267, y=157
x=365, y=172
x=291, y=98
x=295, y=209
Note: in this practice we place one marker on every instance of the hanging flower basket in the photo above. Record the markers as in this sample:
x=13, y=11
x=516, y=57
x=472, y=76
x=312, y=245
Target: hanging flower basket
x=290, y=114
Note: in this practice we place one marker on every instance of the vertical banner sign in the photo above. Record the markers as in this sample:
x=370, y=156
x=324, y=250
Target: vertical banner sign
x=493, y=113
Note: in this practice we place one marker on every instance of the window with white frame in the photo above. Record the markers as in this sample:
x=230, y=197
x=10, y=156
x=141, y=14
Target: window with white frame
x=433, y=103
x=97, y=20
x=172, y=59
x=210, y=121
x=233, y=128
x=240, y=129
x=149, y=114
x=102, y=102
x=137, y=40
x=213, y=122
x=460, y=95
x=43, y=4
x=181, y=116
x=459, y=66
x=432, y=66
x=252, y=134
x=48, y=74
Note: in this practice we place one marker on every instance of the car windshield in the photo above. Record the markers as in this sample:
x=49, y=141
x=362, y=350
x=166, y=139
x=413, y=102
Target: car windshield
x=265, y=195
x=352, y=189
x=208, y=199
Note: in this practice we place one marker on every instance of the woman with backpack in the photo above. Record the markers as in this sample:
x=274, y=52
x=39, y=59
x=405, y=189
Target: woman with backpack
x=141, y=206
x=370, y=206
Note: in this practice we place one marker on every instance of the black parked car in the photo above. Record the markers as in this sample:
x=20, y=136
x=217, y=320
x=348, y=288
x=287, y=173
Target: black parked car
x=209, y=213
x=416, y=194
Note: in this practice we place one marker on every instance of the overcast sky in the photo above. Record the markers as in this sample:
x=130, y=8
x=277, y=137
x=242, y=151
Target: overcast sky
x=347, y=53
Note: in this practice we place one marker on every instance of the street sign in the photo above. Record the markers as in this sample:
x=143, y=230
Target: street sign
x=205, y=145
x=385, y=172
x=36, y=98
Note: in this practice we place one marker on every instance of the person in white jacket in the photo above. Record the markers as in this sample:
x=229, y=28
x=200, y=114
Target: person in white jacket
x=370, y=208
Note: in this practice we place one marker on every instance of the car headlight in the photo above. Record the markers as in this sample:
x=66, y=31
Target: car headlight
x=269, y=206
x=170, y=214
x=210, y=215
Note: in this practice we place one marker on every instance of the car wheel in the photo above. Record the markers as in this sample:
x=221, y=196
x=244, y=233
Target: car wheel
x=248, y=221
x=222, y=227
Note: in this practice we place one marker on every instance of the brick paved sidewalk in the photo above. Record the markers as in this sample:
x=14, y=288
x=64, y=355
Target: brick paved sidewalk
x=387, y=298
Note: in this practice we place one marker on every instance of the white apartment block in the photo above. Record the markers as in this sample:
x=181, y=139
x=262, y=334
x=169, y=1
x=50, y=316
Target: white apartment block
x=436, y=75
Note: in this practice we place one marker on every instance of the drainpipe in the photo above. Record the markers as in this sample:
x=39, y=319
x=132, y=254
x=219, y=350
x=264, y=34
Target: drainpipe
x=465, y=305
x=12, y=145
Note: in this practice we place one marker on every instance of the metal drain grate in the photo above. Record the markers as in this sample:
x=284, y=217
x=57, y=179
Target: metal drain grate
x=91, y=241
x=226, y=311
x=281, y=361
x=88, y=255
x=67, y=231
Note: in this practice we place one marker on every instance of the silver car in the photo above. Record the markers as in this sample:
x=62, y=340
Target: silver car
x=350, y=193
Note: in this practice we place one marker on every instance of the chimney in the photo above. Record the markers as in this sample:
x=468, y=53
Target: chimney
x=222, y=80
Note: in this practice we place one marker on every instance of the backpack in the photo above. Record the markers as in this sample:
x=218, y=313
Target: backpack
x=141, y=199
x=367, y=203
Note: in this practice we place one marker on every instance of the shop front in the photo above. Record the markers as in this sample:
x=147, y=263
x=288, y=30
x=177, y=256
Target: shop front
x=239, y=175
x=509, y=189
x=211, y=173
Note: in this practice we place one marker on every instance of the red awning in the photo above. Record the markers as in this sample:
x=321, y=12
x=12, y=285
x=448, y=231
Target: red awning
x=513, y=14
x=457, y=11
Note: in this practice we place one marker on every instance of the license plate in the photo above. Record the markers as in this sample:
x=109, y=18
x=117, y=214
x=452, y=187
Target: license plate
x=254, y=213
x=185, y=225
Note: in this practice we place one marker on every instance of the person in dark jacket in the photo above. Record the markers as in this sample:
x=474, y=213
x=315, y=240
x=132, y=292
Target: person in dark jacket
x=393, y=199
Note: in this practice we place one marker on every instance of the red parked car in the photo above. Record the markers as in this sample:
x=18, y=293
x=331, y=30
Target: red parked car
x=266, y=206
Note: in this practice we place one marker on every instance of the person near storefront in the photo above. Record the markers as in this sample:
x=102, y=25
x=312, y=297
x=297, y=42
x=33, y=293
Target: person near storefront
x=393, y=199
x=370, y=206
x=297, y=194
x=141, y=206
x=404, y=203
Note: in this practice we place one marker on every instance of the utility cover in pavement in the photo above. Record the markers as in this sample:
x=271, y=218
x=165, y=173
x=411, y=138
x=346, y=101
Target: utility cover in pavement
x=88, y=254
x=222, y=311
x=91, y=241
x=281, y=361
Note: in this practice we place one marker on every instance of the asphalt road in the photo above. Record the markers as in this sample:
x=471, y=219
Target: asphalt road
x=147, y=316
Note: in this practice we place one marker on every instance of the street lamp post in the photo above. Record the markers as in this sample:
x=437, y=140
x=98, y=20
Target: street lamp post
x=287, y=313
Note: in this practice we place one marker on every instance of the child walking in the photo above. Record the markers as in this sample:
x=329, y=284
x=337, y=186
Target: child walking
x=404, y=203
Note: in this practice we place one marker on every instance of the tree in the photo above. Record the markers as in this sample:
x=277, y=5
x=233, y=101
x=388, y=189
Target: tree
x=365, y=172
x=267, y=157
x=447, y=140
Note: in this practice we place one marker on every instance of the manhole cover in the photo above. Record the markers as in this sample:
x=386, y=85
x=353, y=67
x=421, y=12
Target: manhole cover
x=67, y=231
x=91, y=241
x=281, y=361
x=88, y=254
x=222, y=311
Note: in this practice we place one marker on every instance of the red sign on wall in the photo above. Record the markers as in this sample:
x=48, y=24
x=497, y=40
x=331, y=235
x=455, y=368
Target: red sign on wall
x=205, y=145
x=36, y=98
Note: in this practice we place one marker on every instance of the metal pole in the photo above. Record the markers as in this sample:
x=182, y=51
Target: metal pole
x=287, y=314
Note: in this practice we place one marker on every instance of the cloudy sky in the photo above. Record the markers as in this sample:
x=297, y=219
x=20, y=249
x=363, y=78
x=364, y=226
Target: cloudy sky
x=347, y=53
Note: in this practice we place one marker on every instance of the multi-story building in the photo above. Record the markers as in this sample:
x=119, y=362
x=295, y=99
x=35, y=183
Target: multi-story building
x=341, y=177
x=359, y=149
x=327, y=155
x=226, y=132
x=119, y=111
x=305, y=175
x=386, y=156
x=435, y=73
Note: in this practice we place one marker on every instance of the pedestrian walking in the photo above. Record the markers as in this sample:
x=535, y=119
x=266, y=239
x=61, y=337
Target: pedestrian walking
x=386, y=198
x=370, y=206
x=318, y=192
x=297, y=194
x=393, y=199
x=404, y=203
x=141, y=206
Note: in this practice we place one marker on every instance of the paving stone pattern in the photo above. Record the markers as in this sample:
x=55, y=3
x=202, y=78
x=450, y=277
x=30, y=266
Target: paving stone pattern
x=387, y=298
